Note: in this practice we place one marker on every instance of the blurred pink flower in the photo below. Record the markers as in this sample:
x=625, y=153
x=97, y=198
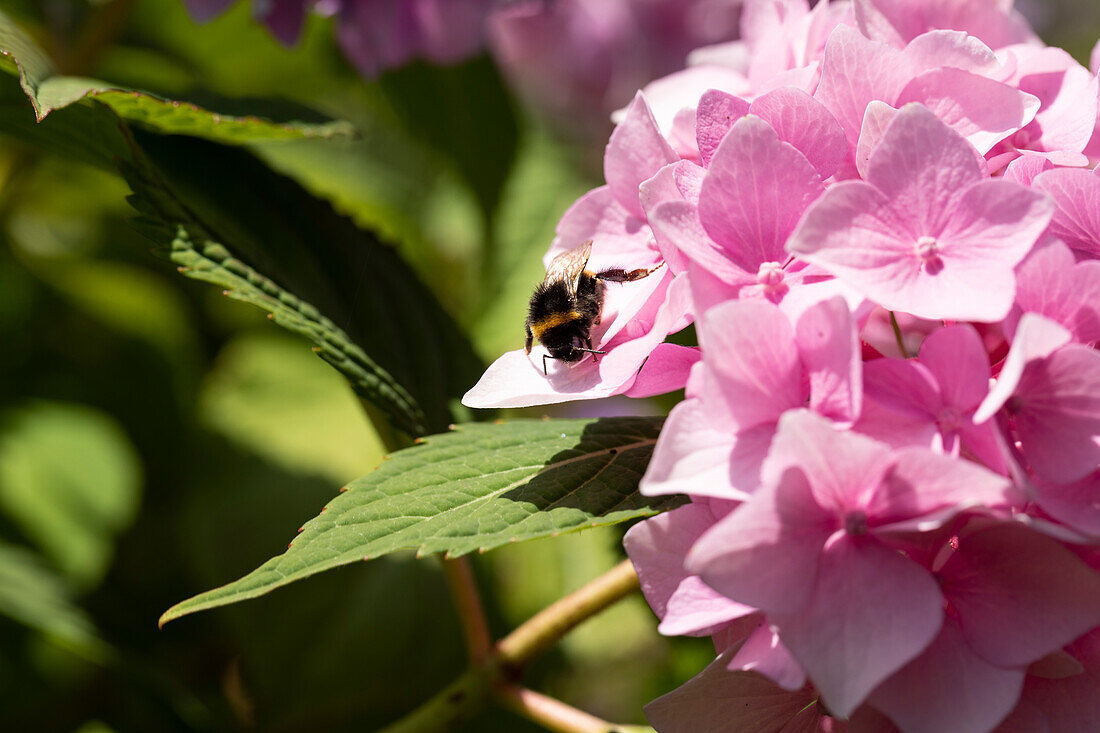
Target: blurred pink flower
x=578, y=60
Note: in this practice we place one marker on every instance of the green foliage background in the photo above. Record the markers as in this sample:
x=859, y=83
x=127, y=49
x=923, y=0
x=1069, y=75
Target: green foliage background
x=158, y=439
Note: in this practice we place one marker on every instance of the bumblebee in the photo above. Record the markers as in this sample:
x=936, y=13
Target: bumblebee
x=569, y=302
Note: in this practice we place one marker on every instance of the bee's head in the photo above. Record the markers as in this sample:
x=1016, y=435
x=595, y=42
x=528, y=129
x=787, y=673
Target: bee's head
x=569, y=350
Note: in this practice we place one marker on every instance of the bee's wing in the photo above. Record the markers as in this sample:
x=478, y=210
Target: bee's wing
x=568, y=266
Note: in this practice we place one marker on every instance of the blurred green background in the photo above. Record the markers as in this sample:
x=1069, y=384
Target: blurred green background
x=157, y=439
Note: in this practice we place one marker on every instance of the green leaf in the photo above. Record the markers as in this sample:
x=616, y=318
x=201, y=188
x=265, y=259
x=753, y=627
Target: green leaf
x=49, y=91
x=473, y=489
x=70, y=479
x=228, y=219
x=233, y=222
x=465, y=112
x=267, y=393
x=33, y=594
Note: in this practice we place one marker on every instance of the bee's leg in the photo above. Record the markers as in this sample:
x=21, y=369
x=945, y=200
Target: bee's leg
x=544, y=358
x=588, y=343
x=619, y=275
x=530, y=338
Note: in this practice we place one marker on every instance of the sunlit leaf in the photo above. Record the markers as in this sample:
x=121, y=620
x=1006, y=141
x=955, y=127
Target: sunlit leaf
x=48, y=91
x=476, y=488
x=269, y=394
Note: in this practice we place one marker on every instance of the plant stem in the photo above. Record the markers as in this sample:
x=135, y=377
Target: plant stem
x=460, y=580
x=550, y=624
x=466, y=695
x=456, y=703
x=897, y=335
x=555, y=715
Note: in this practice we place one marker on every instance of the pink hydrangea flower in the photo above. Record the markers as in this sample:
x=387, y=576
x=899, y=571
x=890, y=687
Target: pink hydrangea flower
x=927, y=232
x=756, y=365
x=877, y=214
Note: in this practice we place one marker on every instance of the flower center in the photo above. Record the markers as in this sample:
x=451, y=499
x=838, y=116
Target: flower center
x=949, y=418
x=855, y=523
x=928, y=250
x=770, y=278
x=770, y=274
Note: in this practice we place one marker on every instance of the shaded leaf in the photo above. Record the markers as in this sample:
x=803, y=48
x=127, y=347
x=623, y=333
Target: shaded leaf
x=268, y=242
x=48, y=91
x=229, y=220
x=474, y=489
x=465, y=112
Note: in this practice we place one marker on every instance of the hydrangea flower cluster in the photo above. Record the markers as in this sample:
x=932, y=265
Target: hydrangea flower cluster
x=882, y=218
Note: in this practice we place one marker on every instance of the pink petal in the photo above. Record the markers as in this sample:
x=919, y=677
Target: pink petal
x=666, y=370
x=1025, y=718
x=872, y=611
x=1076, y=196
x=860, y=237
x=657, y=548
x=952, y=49
x=515, y=380
x=912, y=426
x=765, y=654
x=841, y=466
x=898, y=21
x=1049, y=282
x=765, y=553
x=994, y=224
x=948, y=687
x=982, y=110
x=636, y=151
x=692, y=455
x=681, y=90
x=1076, y=505
x=876, y=118
x=718, y=699
x=1024, y=169
x=1019, y=594
x=855, y=71
x=1036, y=338
x=599, y=217
x=903, y=386
x=828, y=343
x=1057, y=416
x=924, y=484
x=754, y=193
x=956, y=357
x=802, y=121
x=750, y=348
x=713, y=119
x=1069, y=101
x=922, y=166
x=854, y=233
x=1071, y=704
x=677, y=229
